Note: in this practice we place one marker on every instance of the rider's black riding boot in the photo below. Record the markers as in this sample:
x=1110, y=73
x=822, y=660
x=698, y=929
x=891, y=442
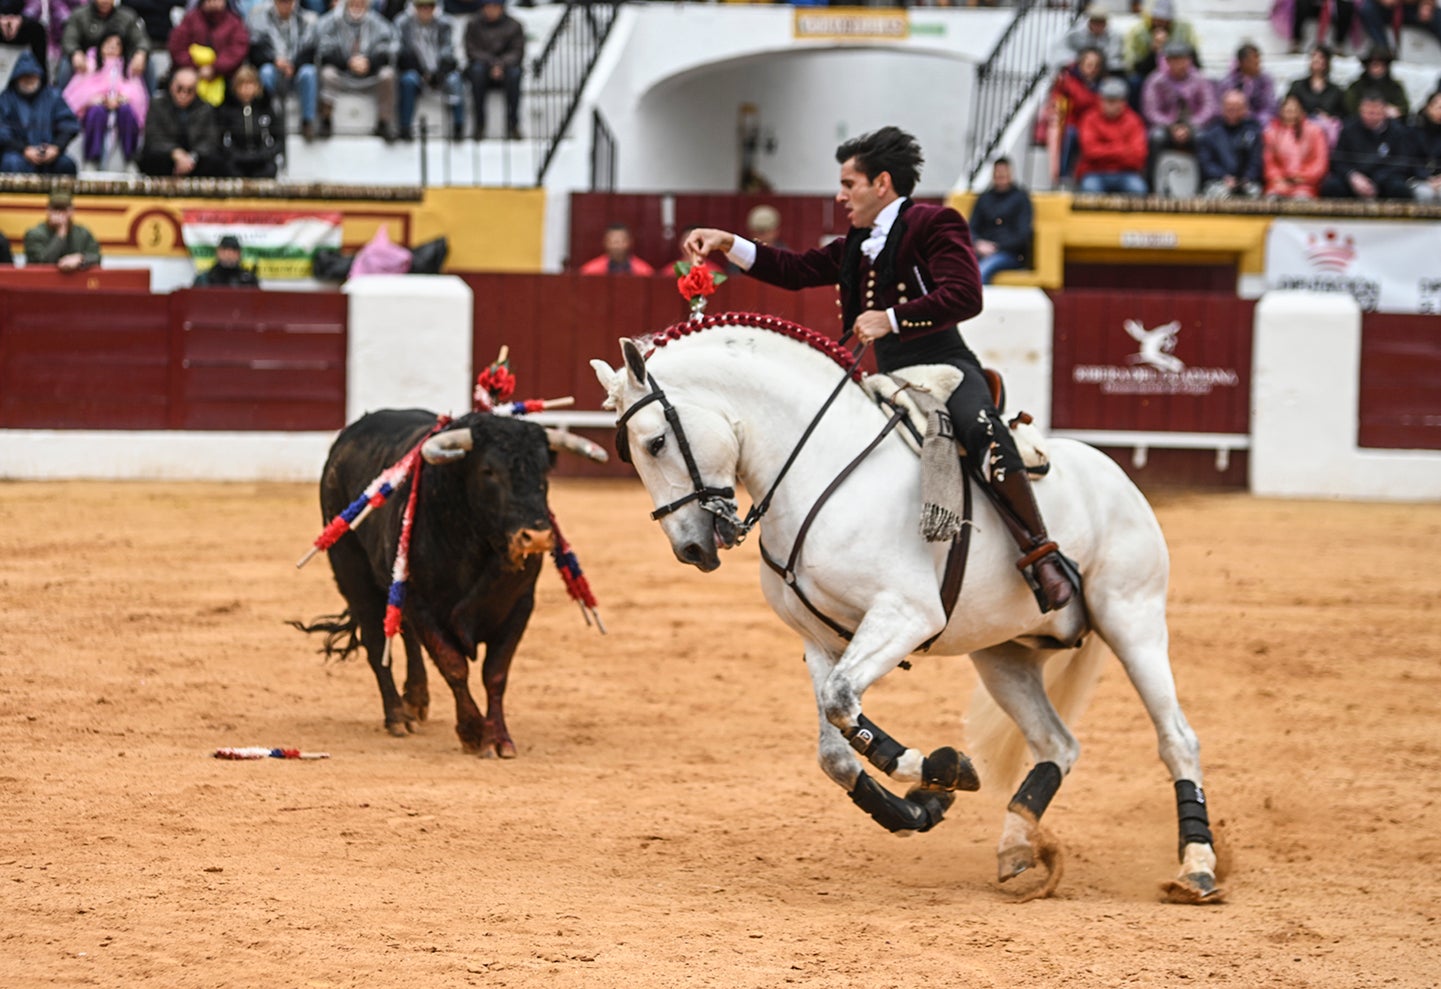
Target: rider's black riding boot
x=1052, y=583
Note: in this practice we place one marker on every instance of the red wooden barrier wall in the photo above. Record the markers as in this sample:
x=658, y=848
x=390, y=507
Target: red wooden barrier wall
x=1400, y=401
x=196, y=359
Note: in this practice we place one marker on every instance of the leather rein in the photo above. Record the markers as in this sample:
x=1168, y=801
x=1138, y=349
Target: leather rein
x=720, y=502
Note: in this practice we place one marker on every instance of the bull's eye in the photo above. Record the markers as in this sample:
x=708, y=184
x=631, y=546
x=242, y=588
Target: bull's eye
x=653, y=447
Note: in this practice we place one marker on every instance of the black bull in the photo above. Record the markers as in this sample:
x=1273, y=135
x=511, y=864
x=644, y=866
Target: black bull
x=480, y=529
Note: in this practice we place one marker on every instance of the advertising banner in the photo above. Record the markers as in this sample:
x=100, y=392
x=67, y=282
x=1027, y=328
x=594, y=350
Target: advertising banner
x=275, y=243
x=1385, y=267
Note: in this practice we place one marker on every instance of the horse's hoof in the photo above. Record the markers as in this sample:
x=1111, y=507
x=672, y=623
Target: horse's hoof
x=1193, y=887
x=948, y=769
x=1011, y=862
x=415, y=712
x=939, y=800
x=398, y=729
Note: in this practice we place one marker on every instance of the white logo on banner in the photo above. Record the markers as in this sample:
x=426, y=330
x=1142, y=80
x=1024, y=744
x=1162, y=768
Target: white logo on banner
x=1154, y=369
x=1385, y=267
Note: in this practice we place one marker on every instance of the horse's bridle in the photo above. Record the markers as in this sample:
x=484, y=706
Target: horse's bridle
x=718, y=501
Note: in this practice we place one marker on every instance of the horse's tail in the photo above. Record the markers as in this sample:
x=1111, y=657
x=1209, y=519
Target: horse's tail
x=993, y=739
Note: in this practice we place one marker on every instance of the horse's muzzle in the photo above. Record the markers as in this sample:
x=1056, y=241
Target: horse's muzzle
x=704, y=558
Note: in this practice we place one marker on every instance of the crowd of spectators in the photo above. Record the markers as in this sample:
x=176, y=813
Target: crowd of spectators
x=1135, y=114
x=84, y=67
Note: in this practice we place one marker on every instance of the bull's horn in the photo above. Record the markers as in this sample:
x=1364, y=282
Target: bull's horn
x=562, y=440
x=447, y=447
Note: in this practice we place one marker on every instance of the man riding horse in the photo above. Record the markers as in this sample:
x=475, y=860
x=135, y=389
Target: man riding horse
x=907, y=276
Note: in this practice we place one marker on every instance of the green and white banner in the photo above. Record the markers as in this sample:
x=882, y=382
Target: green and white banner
x=275, y=243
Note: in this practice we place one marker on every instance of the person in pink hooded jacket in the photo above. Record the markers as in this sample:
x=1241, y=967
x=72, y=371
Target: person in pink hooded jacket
x=1296, y=153
x=106, y=96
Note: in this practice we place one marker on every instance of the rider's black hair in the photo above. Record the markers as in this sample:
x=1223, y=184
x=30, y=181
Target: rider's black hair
x=889, y=149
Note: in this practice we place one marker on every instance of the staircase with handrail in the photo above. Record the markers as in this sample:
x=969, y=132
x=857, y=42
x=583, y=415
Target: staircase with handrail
x=560, y=72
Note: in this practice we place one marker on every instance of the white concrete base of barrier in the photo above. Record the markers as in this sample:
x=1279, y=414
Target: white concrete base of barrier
x=1305, y=399
x=85, y=454
x=1013, y=336
x=409, y=344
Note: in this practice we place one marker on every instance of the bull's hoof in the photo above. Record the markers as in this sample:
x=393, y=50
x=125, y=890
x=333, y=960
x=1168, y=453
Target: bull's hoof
x=415, y=712
x=948, y=769
x=1193, y=887
x=398, y=729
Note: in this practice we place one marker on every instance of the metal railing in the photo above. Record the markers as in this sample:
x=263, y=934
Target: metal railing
x=1017, y=64
x=602, y=154
x=561, y=70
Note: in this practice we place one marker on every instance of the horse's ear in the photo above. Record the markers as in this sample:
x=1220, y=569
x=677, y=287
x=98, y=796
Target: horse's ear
x=634, y=361
x=610, y=379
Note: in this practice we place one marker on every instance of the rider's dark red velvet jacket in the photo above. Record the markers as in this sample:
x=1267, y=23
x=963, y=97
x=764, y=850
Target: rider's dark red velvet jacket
x=927, y=272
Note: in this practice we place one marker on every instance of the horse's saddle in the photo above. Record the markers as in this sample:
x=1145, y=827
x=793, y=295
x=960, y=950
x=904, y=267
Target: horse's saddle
x=923, y=388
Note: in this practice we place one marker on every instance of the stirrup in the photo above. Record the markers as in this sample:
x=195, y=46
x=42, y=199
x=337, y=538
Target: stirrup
x=1027, y=566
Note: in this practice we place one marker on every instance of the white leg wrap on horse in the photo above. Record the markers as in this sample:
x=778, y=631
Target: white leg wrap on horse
x=908, y=767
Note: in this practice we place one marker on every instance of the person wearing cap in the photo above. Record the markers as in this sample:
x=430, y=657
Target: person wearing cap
x=427, y=60
x=35, y=123
x=89, y=24
x=59, y=240
x=494, y=51
x=1111, y=142
x=18, y=32
x=1376, y=78
x=282, y=49
x=1374, y=158
x=355, y=48
x=1094, y=31
x=1378, y=16
x=1162, y=16
x=1177, y=102
x=227, y=271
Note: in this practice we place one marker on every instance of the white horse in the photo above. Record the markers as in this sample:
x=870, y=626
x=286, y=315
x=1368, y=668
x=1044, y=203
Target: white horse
x=729, y=397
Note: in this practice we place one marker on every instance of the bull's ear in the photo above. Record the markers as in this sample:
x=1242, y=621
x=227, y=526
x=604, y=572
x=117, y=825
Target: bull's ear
x=634, y=362
x=610, y=379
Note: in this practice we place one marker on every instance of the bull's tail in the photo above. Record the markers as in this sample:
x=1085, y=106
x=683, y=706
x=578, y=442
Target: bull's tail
x=342, y=634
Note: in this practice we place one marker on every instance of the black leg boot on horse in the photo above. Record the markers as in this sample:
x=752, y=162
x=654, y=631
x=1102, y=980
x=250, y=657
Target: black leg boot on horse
x=1046, y=571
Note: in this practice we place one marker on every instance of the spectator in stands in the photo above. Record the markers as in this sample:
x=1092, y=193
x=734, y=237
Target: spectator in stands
x=52, y=15
x=617, y=259
x=182, y=136
x=1376, y=78
x=1001, y=224
x=1373, y=157
x=109, y=102
x=1095, y=32
x=494, y=51
x=1297, y=154
x=1177, y=102
x=1379, y=16
x=1427, y=133
x=20, y=33
x=60, y=240
x=227, y=271
x=282, y=48
x=1139, y=40
x=763, y=226
x=1321, y=99
x=1256, y=85
x=252, y=132
x=88, y=24
x=1289, y=16
x=1112, y=145
x=156, y=15
x=356, y=49
x=212, y=25
x=35, y=123
x=1073, y=96
x=427, y=59
x=6, y=258
x=1230, y=151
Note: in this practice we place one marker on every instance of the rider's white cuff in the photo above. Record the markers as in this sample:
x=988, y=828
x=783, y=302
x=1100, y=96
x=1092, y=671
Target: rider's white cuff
x=895, y=326
x=742, y=254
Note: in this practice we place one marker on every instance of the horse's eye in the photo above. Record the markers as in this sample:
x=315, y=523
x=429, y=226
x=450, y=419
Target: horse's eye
x=655, y=445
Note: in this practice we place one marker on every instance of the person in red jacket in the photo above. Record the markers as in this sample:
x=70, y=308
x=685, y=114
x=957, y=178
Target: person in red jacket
x=1075, y=94
x=1113, y=145
x=213, y=24
x=1297, y=156
x=617, y=259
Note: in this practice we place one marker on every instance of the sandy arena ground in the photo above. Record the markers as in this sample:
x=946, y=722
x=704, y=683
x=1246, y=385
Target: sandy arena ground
x=666, y=824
